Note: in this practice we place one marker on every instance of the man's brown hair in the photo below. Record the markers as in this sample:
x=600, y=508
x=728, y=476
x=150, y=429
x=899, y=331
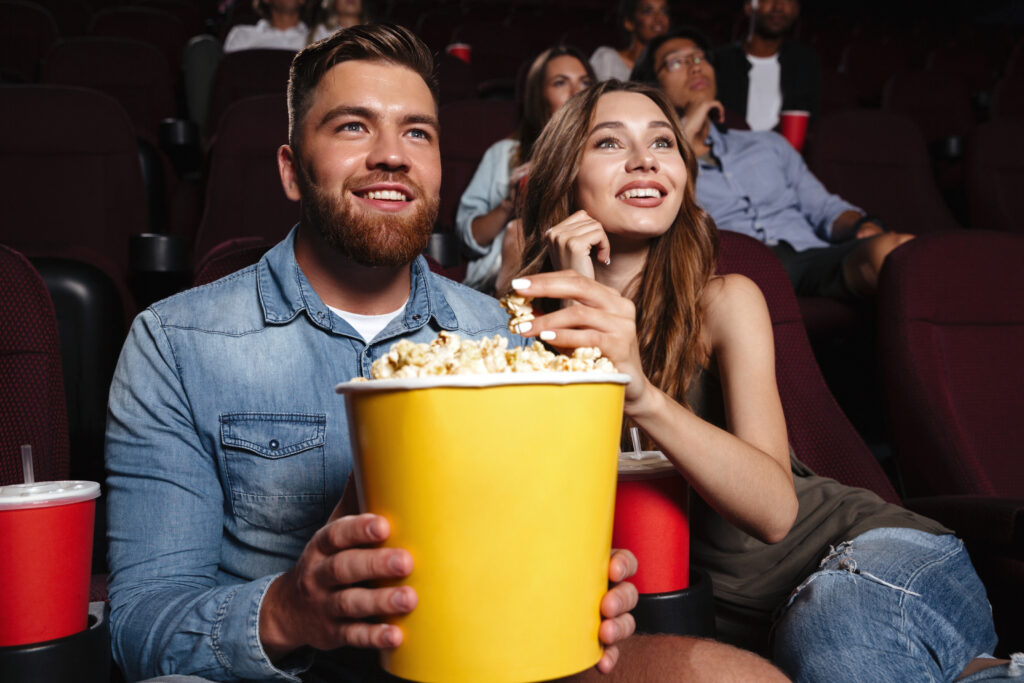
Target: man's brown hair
x=386, y=43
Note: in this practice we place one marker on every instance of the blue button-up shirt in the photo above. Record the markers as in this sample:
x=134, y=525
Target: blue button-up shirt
x=227, y=448
x=764, y=189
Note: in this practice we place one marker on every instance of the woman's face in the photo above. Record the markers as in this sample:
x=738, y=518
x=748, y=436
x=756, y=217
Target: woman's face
x=632, y=176
x=650, y=20
x=564, y=76
x=348, y=7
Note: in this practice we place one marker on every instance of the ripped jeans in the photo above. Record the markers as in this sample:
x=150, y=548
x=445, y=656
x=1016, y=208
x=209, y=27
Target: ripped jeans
x=890, y=605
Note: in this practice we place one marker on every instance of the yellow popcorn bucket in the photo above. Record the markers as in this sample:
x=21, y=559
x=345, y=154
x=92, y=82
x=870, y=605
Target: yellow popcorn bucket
x=502, y=487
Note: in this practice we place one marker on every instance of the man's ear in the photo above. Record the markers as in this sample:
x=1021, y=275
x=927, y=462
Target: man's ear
x=630, y=25
x=287, y=167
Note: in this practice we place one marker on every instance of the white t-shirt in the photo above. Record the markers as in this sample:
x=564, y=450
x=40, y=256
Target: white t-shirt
x=264, y=36
x=764, y=98
x=368, y=326
x=607, y=64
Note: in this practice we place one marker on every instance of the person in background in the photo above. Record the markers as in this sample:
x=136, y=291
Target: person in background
x=488, y=202
x=768, y=72
x=332, y=15
x=620, y=256
x=641, y=20
x=280, y=28
x=755, y=183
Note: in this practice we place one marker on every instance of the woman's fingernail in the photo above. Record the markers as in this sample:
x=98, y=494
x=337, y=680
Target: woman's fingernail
x=520, y=283
x=547, y=335
x=524, y=327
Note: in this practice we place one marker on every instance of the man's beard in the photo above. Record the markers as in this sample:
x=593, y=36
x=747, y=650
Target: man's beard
x=376, y=239
x=763, y=29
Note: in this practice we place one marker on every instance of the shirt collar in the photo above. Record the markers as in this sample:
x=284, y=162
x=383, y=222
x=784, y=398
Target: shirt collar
x=285, y=292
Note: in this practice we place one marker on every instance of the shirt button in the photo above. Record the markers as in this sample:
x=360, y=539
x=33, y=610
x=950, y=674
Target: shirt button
x=416, y=316
x=274, y=444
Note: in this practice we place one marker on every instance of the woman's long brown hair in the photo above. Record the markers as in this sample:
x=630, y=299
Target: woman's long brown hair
x=680, y=262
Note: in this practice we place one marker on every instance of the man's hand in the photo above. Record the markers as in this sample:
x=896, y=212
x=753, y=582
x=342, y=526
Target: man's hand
x=321, y=602
x=618, y=623
x=696, y=119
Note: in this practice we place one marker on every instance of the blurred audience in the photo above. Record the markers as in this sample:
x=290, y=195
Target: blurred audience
x=768, y=72
x=754, y=182
x=334, y=14
x=641, y=20
x=280, y=27
x=488, y=203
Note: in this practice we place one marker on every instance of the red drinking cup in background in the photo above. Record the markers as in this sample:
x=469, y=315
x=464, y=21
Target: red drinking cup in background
x=652, y=521
x=460, y=50
x=793, y=126
x=46, y=533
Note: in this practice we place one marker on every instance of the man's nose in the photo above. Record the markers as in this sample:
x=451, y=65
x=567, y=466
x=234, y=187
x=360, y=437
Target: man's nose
x=388, y=153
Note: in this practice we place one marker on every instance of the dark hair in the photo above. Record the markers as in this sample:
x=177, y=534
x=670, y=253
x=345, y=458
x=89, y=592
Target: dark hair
x=645, y=71
x=387, y=43
x=627, y=11
x=535, y=107
x=680, y=262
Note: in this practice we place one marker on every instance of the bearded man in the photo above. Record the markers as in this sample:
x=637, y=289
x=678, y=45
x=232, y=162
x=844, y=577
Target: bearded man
x=227, y=448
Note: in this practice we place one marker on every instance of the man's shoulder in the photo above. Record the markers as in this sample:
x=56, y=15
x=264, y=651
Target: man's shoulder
x=465, y=299
x=223, y=304
x=730, y=54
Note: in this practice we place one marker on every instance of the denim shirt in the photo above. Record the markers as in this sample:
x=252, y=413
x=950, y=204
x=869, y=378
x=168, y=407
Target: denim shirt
x=764, y=189
x=227, y=448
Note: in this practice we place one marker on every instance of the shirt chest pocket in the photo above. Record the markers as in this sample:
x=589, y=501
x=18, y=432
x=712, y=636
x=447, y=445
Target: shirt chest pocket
x=276, y=468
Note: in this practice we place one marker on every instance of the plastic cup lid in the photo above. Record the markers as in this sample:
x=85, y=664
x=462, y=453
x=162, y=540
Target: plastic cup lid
x=650, y=464
x=47, y=494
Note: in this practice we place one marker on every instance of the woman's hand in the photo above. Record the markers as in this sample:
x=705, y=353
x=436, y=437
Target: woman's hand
x=601, y=318
x=571, y=244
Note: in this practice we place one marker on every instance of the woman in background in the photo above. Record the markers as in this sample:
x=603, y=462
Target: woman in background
x=331, y=15
x=641, y=20
x=619, y=256
x=488, y=202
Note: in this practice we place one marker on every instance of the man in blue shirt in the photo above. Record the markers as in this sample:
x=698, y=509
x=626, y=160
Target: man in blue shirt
x=226, y=447
x=757, y=184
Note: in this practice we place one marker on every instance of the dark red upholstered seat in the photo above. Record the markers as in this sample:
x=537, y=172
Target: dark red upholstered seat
x=994, y=175
x=32, y=409
x=468, y=128
x=149, y=25
x=227, y=257
x=820, y=433
x=132, y=72
x=878, y=161
x=70, y=182
x=27, y=31
x=244, y=196
x=951, y=334
x=244, y=74
x=1008, y=97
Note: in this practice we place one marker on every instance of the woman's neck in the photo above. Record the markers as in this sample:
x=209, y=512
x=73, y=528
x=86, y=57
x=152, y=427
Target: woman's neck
x=632, y=53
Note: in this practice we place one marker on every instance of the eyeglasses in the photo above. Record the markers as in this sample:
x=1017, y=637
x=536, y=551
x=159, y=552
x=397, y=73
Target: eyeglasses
x=675, y=61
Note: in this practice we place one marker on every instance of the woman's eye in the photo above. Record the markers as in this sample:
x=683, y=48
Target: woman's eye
x=664, y=143
x=586, y=83
x=607, y=143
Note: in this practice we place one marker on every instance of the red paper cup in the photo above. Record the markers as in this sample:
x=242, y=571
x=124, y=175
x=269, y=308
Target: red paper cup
x=459, y=50
x=651, y=521
x=793, y=125
x=45, y=559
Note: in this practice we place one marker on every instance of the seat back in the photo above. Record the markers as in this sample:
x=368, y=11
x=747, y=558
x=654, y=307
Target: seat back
x=951, y=331
x=161, y=29
x=994, y=175
x=468, y=128
x=247, y=73
x=878, y=161
x=819, y=432
x=132, y=72
x=1008, y=97
x=227, y=257
x=243, y=193
x=31, y=386
x=939, y=103
x=27, y=31
x=70, y=175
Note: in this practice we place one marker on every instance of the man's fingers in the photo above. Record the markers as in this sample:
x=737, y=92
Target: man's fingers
x=619, y=600
x=362, y=635
x=356, y=565
x=351, y=532
x=608, y=660
x=616, y=630
x=360, y=603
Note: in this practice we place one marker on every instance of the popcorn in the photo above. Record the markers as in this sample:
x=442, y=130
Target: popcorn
x=518, y=306
x=450, y=355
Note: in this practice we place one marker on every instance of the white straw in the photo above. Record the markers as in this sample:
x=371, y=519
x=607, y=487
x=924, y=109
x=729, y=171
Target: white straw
x=634, y=434
x=26, y=464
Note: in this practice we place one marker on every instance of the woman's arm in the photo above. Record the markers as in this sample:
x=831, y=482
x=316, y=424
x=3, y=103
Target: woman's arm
x=742, y=473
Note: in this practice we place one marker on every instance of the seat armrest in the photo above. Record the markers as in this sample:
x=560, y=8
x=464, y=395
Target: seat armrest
x=987, y=520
